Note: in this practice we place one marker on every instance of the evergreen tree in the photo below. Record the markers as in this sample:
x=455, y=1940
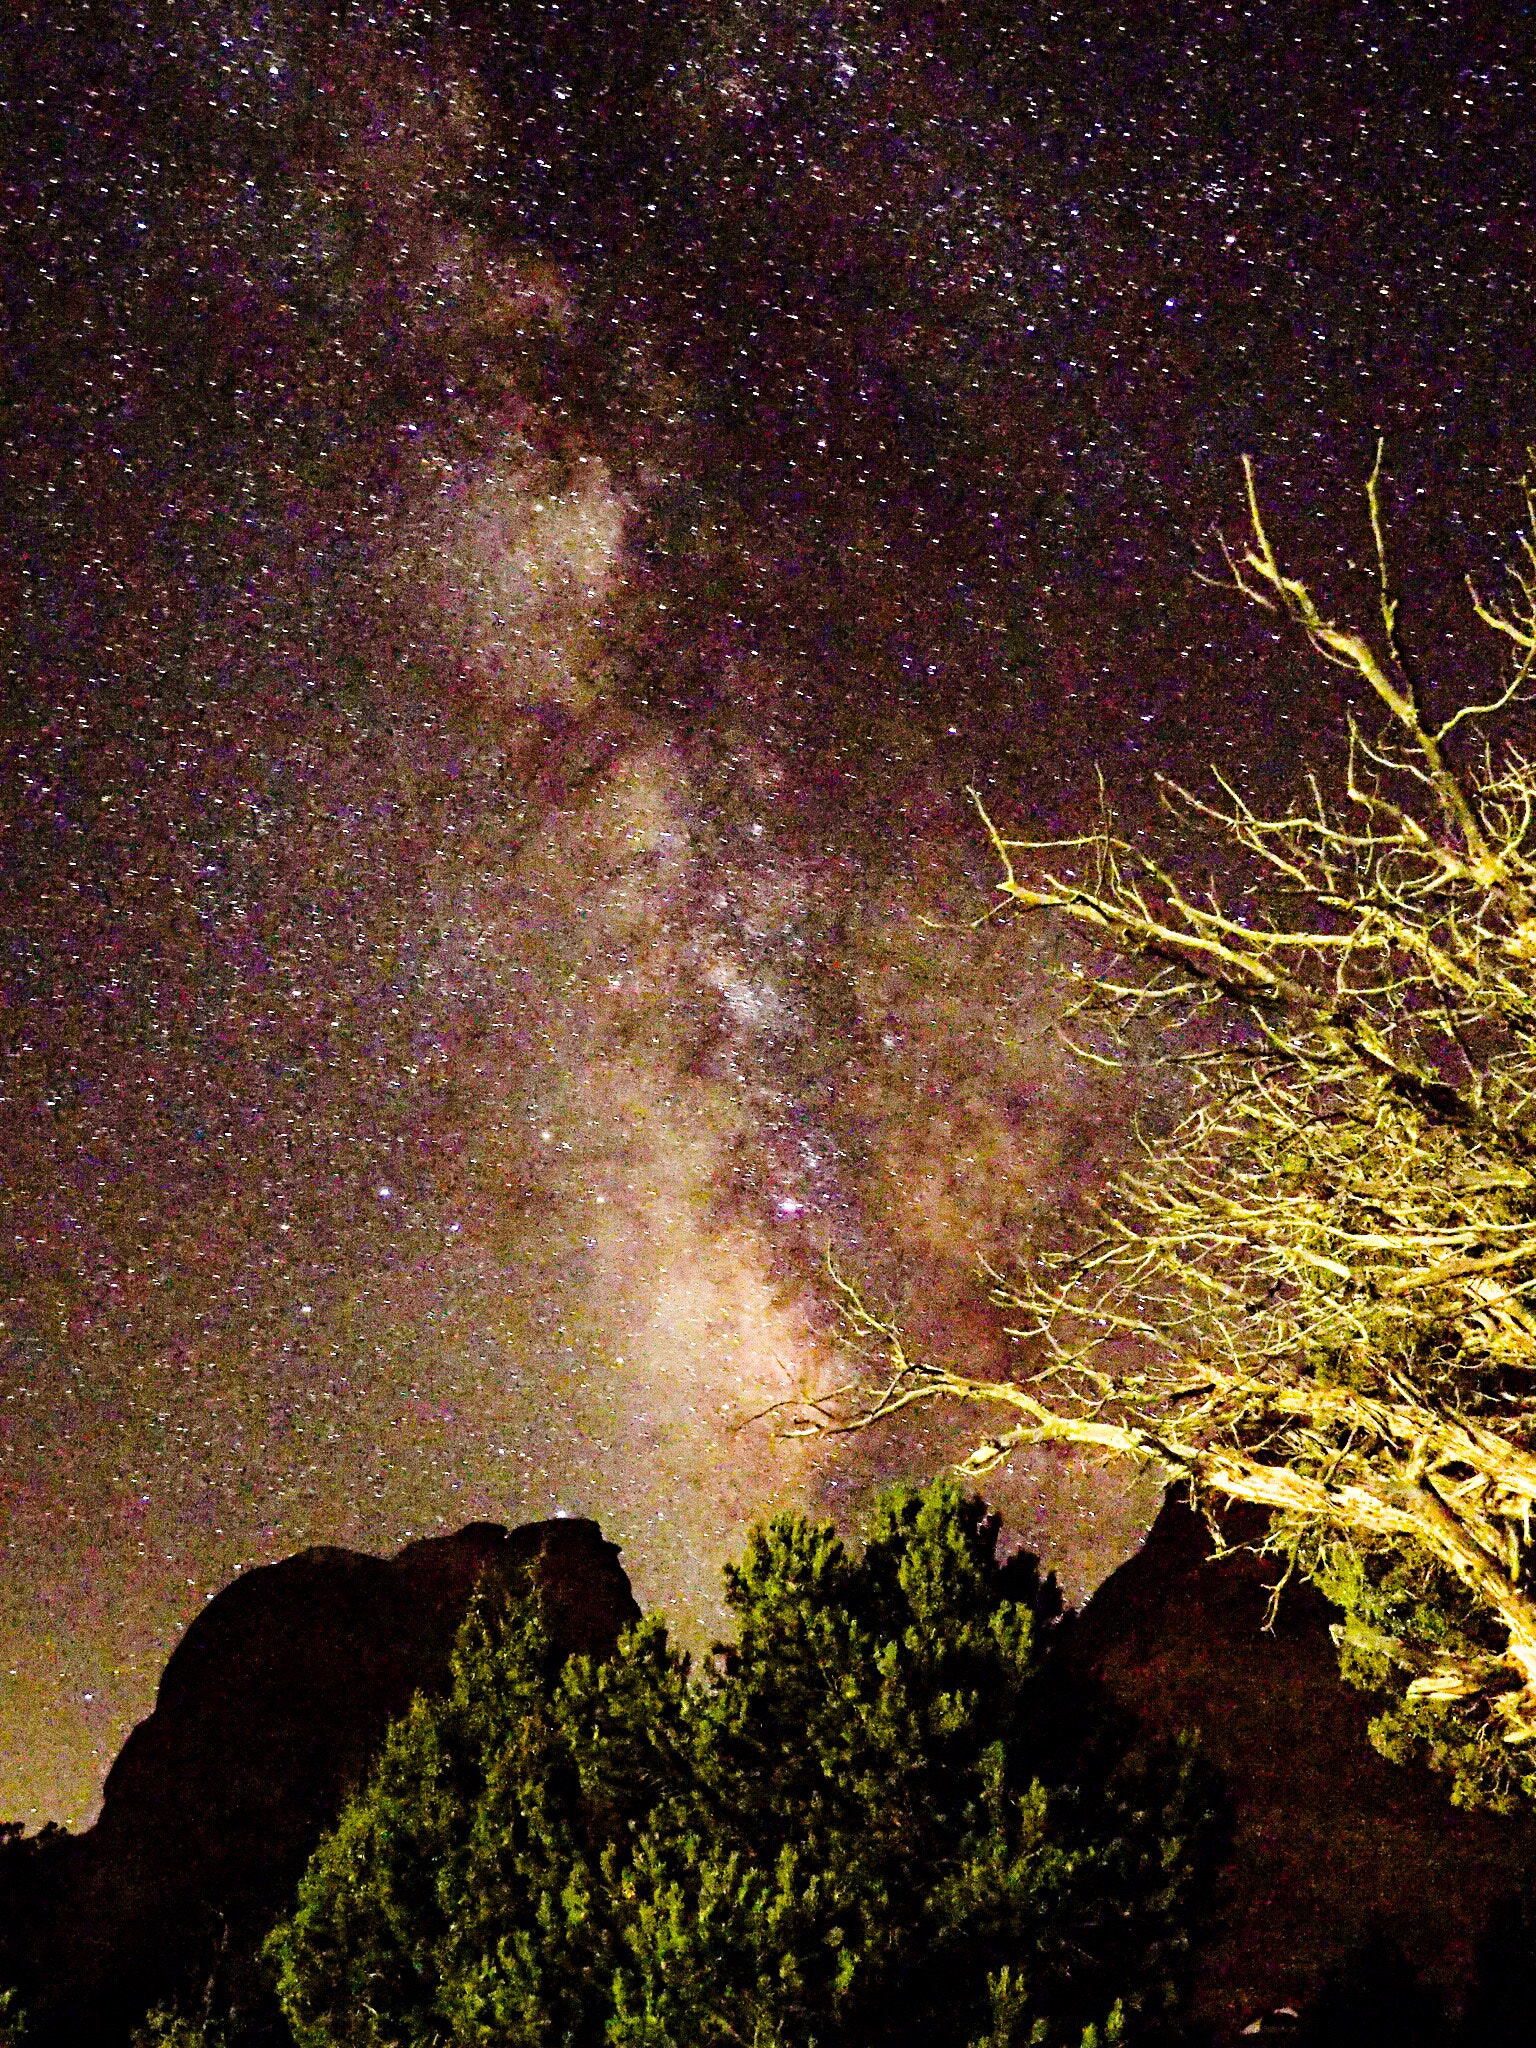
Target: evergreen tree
x=862, y=1827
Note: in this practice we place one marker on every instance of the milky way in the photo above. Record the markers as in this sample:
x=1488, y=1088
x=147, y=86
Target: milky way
x=520, y=530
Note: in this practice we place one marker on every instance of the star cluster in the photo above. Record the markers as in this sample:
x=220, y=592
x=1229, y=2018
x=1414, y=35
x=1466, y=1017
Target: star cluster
x=520, y=526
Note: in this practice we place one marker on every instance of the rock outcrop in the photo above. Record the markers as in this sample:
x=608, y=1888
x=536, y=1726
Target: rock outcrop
x=269, y=1712
x=1333, y=1847
x=274, y=1704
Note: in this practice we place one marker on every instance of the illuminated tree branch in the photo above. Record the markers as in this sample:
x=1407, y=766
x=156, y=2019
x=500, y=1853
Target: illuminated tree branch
x=1316, y=1293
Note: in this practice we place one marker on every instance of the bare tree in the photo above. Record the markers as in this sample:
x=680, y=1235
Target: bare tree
x=1315, y=1292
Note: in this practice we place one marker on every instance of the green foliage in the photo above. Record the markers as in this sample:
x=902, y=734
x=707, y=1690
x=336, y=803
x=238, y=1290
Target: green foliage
x=862, y=1828
x=1401, y=1615
x=13, y=2021
x=166, y=2028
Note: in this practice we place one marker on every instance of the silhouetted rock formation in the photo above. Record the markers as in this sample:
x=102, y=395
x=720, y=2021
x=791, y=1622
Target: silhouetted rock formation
x=269, y=1712
x=274, y=1704
x=1334, y=1848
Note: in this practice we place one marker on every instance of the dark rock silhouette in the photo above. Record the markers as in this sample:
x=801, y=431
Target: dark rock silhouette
x=275, y=1701
x=269, y=1712
x=1335, y=1852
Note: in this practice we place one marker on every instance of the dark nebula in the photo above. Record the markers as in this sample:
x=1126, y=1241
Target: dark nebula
x=520, y=526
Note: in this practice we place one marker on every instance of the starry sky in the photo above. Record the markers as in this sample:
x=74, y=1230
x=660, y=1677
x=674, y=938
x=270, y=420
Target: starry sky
x=519, y=527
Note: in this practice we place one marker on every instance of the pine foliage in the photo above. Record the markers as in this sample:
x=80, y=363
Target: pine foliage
x=858, y=1828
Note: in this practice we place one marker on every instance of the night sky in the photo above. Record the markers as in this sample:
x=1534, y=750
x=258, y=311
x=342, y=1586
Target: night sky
x=518, y=529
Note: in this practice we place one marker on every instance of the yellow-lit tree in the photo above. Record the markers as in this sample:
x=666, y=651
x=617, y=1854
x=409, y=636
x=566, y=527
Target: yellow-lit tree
x=1317, y=1291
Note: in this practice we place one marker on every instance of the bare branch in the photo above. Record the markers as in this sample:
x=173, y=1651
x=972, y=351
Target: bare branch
x=1317, y=1292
